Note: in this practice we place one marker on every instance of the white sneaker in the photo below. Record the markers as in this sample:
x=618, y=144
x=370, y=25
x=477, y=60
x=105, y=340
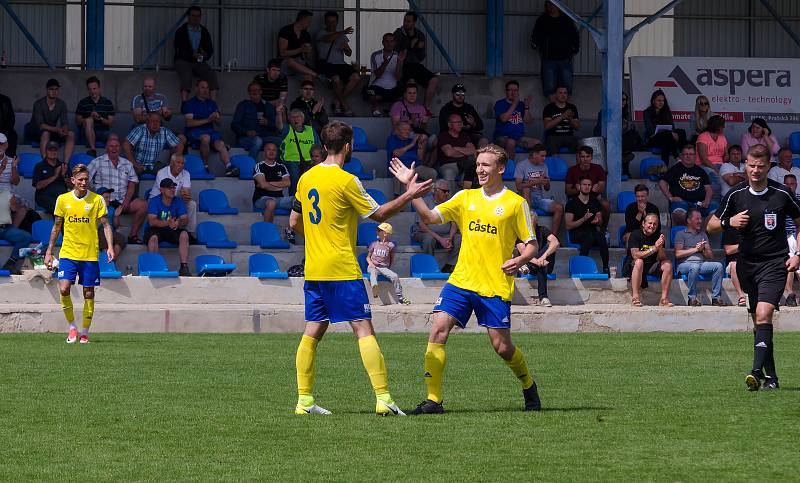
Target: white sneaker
x=545, y=302
x=313, y=409
x=385, y=409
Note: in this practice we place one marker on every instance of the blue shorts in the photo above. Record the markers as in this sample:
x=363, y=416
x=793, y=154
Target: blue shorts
x=336, y=301
x=88, y=273
x=491, y=312
x=193, y=135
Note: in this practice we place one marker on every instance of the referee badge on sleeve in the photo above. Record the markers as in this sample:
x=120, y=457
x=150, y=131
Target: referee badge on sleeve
x=770, y=221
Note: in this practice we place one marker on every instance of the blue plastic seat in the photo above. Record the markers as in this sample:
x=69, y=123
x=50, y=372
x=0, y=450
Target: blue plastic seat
x=79, y=158
x=519, y=149
x=650, y=277
x=212, y=266
x=5, y=273
x=508, y=174
x=425, y=267
x=584, y=268
x=674, y=231
x=215, y=202
x=28, y=161
x=153, y=265
x=650, y=164
x=194, y=165
x=4, y=243
x=40, y=232
x=620, y=233
x=796, y=162
x=794, y=142
x=625, y=198
x=378, y=196
x=264, y=265
x=355, y=168
x=107, y=269
x=246, y=165
x=360, y=142
x=362, y=262
x=568, y=241
x=213, y=235
x=266, y=235
x=367, y=233
x=550, y=276
x=556, y=168
x=563, y=150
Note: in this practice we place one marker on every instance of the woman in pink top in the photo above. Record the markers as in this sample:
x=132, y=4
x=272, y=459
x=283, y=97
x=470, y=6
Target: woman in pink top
x=711, y=145
x=760, y=133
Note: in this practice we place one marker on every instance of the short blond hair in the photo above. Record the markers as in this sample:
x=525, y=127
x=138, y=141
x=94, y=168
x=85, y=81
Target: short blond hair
x=78, y=169
x=499, y=153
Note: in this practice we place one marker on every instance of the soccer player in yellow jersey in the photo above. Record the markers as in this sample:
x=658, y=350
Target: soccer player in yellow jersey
x=491, y=219
x=328, y=204
x=78, y=212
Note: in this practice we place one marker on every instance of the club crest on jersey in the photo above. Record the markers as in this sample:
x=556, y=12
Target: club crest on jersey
x=87, y=207
x=499, y=211
x=770, y=221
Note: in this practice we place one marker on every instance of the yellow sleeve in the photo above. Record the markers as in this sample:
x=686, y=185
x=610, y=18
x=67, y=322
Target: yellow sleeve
x=522, y=222
x=451, y=209
x=59, y=211
x=100, y=208
x=359, y=199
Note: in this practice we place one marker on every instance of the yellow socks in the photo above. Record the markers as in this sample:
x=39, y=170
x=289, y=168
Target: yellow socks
x=66, y=306
x=435, y=359
x=306, y=362
x=88, y=313
x=520, y=368
x=373, y=361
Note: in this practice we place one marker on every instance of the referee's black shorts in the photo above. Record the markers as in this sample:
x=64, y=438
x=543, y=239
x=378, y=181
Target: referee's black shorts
x=762, y=280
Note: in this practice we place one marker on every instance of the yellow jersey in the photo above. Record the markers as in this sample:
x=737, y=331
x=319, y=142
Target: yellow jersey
x=332, y=201
x=490, y=227
x=81, y=217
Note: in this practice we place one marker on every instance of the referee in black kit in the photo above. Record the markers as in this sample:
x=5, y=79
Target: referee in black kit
x=758, y=208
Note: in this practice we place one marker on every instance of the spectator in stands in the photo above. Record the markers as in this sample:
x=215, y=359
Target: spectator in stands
x=270, y=178
x=380, y=256
x=698, y=121
x=318, y=154
x=631, y=140
x=585, y=168
x=14, y=236
x=51, y=179
x=456, y=152
x=49, y=121
x=294, y=45
x=387, y=70
x=684, y=185
x=193, y=50
x=95, y=115
x=119, y=238
x=694, y=257
x=560, y=123
x=167, y=219
x=7, y=121
x=636, y=212
x=256, y=121
x=274, y=85
x=9, y=179
x=313, y=109
x=115, y=172
x=183, y=188
x=144, y=144
x=555, y=37
x=659, y=127
x=408, y=148
x=149, y=101
x=785, y=166
x=732, y=172
x=646, y=256
x=444, y=235
x=532, y=180
x=511, y=115
x=411, y=41
x=297, y=139
x=202, y=115
x=544, y=263
x=584, y=219
x=332, y=46
x=471, y=122
x=730, y=243
x=790, y=181
x=408, y=110
x=712, y=144
x=760, y=133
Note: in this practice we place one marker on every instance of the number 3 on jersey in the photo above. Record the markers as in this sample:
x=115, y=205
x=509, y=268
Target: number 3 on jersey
x=316, y=215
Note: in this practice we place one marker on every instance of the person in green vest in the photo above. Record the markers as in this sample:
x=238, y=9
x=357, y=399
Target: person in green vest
x=298, y=139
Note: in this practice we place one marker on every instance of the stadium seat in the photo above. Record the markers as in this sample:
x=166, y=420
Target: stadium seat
x=508, y=174
x=212, y=266
x=621, y=232
x=650, y=277
x=213, y=235
x=362, y=262
x=215, y=202
x=378, y=196
x=5, y=273
x=360, y=142
x=40, y=231
x=413, y=242
x=625, y=198
x=194, y=165
x=425, y=267
x=153, y=265
x=107, y=269
x=530, y=276
x=649, y=168
x=266, y=235
x=264, y=265
x=794, y=142
x=655, y=150
x=796, y=162
x=161, y=243
x=246, y=165
x=355, y=168
x=556, y=168
x=584, y=268
x=4, y=243
x=519, y=150
x=563, y=150
x=79, y=158
x=367, y=233
x=27, y=161
x=674, y=231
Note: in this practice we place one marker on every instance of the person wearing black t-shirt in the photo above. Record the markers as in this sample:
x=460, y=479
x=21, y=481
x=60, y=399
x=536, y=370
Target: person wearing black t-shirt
x=584, y=220
x=758, y=209
x=646, y=256
x=270, y=178
x=560, y=123
x=295, y=47
x=545, y=261
x=730, y=243
x=687, y=184
x=636, y=211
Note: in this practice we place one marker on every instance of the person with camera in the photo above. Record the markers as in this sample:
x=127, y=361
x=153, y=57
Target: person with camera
x=51, y=178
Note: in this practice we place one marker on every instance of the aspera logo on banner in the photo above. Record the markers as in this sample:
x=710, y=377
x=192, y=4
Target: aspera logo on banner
x=732, y=78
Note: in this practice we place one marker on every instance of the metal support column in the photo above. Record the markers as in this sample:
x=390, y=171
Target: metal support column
x=613, y=60
x=494, y=38
x=38, y=48
x=784, y=25
x=95, y=34
x=435, y=39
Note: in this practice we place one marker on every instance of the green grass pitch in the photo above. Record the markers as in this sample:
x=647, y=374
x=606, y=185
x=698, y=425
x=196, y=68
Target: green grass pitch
x=167, y=407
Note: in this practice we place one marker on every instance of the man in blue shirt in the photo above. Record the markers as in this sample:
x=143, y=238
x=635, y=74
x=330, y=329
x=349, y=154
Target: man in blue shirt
x=512, y=114
x=201, y=115
x=256, y=122
x=167, y=219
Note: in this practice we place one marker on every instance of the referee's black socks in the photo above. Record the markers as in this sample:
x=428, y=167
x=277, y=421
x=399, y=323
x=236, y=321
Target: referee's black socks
x=762, y=350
